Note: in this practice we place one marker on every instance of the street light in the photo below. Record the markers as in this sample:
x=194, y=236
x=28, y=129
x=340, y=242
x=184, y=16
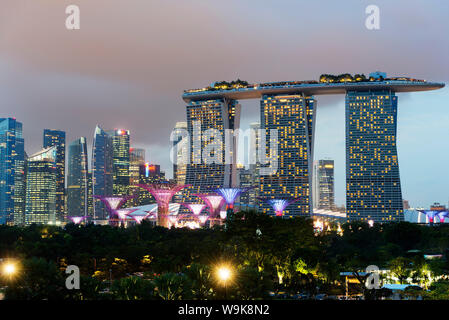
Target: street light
x=224, y=275
x=9, y=269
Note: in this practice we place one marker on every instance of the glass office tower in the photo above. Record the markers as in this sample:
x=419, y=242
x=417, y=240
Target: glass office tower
x=324, y=184
x=293, y=116
x=42, y=176
x=120, y=161
x=57, y=138
x=373, y=187
x=101, y=170
x=12, y=172
x=77, y=179
x=207, y=170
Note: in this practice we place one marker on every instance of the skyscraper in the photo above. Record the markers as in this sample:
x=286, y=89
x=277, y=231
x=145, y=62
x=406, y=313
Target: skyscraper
x=180, y=156
x=137, y=158
x=120, y=161
x=293, y=116
x=77, y=179
x=324, y=184
x=101, y=170
x=57, y=138
x=42, y=176
x=12, y=172
x=208, y=170
x=373, y=187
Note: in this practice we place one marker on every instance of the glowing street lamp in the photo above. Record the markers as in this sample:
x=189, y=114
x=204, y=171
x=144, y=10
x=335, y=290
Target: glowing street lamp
x=224, y=275
x=9, y=269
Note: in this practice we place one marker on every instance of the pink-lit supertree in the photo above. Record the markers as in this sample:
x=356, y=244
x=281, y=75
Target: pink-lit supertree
x=196, y=208
x=279, y=205
x=77, y=220
x=112, y=204
x=163, y=193
x=214, y=202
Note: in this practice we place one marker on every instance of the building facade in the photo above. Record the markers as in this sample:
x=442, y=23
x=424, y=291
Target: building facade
x=293, y=116
x=120, y=161
x=77, y=179
x=41, y=187
x=373, y=187
x=180, y=152
x=324, y=184
x=209, y=166
x=12, y=172
x=102, y=154
x=57, y=138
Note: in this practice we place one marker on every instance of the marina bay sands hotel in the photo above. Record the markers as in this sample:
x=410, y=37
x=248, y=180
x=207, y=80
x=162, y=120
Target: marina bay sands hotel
x=373, y=187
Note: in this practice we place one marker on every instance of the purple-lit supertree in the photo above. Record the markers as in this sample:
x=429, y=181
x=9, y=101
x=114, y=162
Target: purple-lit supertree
x=430, y=214
x=279, y=205
x=77, y=220
x=230, y=195
x=442, y=215
x=214, y=202
x=163, y=193
x=112, y=204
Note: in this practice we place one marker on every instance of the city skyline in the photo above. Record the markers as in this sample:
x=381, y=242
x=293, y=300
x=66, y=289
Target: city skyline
x=145, y=100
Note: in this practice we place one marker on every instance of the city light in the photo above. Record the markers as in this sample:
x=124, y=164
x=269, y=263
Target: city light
x=9, y=269
x=279, y=205
x=224, y=274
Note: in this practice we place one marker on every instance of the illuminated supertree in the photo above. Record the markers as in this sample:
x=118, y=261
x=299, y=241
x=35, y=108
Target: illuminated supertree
x=430, y=214
x=163, y=193
x=279, y=205
x=214, y=202
x=124, y=213
x=230, y=195
x=196, y=208
x=113, y=203
x=139, y=218
x=442, y=215
x=76, y=220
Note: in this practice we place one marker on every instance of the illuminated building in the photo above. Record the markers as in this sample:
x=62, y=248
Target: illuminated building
x=57, y=138
x=101, y=170
x=120, y=161
x=206, y=116
x=293, y=116
x=163, y=194
x=77, y=179
x=12, y=172
x=148, y=174
x=324, y=184
x=373, y=187
x=42, y=175
x=180, y=153
x=136, y=159
x=279, y=205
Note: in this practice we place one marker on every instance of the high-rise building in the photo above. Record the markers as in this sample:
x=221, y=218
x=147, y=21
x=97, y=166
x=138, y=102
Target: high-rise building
x=180, y=152
x=77, y=179
x=293, y=116
x=102, y=153
x=12, y=172
x=136, y=159
x=208, y=170
x=57, y=138
x=41, y=187
x=120, y=161
x=324, y=196
x=148, y=174
x=90, y=198
x=373, y=187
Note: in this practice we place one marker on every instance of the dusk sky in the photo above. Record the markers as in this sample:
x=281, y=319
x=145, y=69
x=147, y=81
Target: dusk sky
x=129, y=63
